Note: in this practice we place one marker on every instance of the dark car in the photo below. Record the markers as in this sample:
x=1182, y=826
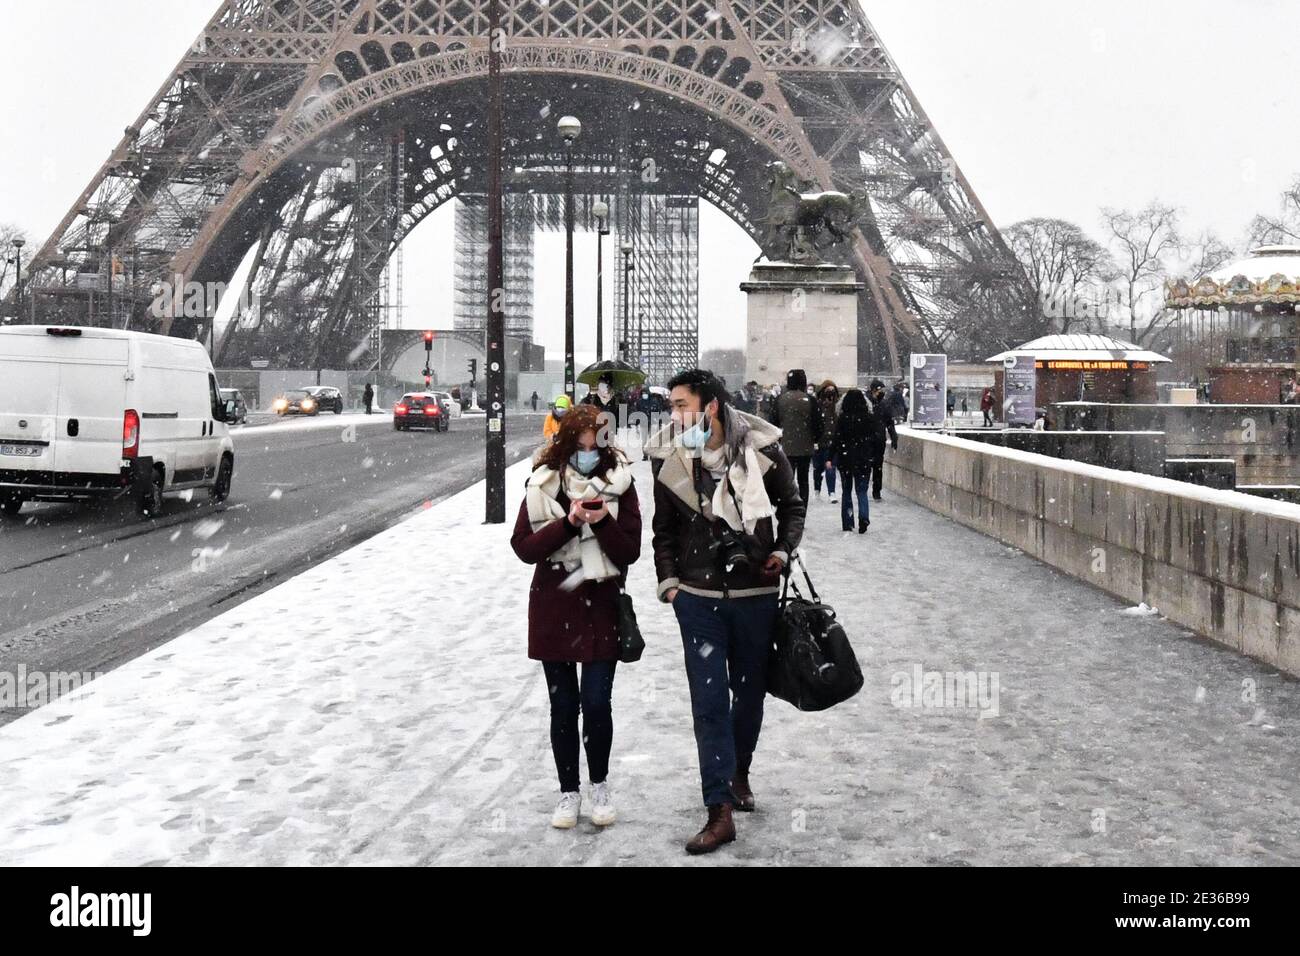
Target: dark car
x=296, y=401
x=241, y=407
x=328, y=398
x=421, y=410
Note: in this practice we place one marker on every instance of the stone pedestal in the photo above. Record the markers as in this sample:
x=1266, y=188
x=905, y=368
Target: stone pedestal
x=802, y=316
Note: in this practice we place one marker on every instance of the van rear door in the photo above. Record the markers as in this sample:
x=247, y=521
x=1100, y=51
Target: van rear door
x=29, y=402
x=92, y=400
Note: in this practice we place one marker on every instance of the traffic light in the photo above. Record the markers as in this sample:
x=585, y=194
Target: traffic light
x=473, y=370
x=428, y=381
x=428, y=340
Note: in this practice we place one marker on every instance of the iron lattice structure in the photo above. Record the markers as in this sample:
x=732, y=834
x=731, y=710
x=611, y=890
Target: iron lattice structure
x=320, y=132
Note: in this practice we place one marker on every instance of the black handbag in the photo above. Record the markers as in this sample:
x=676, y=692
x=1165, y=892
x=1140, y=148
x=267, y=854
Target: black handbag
x=630, y=643
x=812, y=664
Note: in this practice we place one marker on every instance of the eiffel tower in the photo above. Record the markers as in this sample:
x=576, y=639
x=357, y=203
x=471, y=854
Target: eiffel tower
x=314, y=135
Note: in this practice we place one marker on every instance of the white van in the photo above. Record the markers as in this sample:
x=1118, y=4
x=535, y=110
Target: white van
x=93, y=413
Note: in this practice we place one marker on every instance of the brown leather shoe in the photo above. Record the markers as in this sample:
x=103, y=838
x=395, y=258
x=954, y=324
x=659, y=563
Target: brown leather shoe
x=717, y=831
x=744, y=795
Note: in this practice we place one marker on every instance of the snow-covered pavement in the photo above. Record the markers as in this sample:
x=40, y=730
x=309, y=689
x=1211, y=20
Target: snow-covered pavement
x=380, y=708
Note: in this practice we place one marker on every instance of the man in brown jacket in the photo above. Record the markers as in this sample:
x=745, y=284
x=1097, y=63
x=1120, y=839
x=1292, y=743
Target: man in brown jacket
x=727, y=517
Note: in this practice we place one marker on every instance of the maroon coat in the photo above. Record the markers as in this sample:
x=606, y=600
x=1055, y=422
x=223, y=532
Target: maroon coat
x=579, y=625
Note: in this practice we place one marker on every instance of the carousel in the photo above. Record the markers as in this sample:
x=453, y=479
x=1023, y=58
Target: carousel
x=1241, y=321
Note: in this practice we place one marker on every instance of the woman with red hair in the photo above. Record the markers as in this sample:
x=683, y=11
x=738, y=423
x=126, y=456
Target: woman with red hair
x=580, y=524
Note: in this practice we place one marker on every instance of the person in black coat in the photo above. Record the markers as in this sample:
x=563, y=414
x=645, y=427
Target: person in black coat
x=898, y=403
x=852, y=449
x=884, y=426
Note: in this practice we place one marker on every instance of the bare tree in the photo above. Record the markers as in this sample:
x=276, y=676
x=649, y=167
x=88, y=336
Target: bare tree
x=1207, y=253
x=1145, y=244
x=1282, y=229
x=8, y=260
x=1066, y=270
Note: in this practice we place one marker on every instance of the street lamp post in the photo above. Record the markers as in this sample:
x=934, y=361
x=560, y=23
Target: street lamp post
x=601, y=211
x=495, y=359
x=570, y=129
x=18, y=279
x=640, y=340
x=626, y=248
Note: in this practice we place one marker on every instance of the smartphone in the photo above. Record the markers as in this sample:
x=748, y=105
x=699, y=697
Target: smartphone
x=593, y=505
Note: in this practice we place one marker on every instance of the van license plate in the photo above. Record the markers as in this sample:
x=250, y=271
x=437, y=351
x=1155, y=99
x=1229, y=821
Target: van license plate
x=21, y=451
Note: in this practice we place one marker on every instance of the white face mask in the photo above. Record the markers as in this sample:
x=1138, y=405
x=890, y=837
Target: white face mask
x=602, y=390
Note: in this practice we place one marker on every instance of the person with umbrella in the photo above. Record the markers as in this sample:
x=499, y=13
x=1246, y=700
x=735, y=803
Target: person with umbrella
x=603, y=394
x=610, y=379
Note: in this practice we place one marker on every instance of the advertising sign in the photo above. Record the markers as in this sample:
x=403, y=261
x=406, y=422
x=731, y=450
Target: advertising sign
x=929, y=389
x=1019, y=391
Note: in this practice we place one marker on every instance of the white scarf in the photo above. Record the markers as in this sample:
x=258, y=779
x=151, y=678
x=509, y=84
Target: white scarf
x=581, y=556
x=746, y=481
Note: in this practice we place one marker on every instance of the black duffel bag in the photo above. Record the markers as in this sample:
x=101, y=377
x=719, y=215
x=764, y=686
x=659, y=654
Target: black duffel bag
x=812, y=664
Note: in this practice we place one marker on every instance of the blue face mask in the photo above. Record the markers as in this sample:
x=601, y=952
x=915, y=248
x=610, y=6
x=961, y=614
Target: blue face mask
x=585, y=460
x=695, y=436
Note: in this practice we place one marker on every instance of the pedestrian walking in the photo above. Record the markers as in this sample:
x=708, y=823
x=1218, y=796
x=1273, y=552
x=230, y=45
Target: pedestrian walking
x=898, y=402
x=368, y=396
x=535, y=399
x=986, y=406
x=559, y=408
x=800, y=419
x=767, y=403
x=884, y=429
x=852, y=448
x=580, y=524
x=823, y=465
x=728, y=515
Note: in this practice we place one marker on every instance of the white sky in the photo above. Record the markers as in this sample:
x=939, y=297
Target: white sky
x=1051, y=108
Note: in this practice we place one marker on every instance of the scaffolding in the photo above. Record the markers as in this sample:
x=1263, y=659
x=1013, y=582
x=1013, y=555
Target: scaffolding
x=663, y=289
x=662, y=333
x=470, y=271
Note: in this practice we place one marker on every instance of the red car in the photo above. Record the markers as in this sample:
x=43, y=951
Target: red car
x=421, y=410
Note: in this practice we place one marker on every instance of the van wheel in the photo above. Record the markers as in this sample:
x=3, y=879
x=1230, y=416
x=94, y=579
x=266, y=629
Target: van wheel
x=11, y=506
x=221, y=490
x=338, y=409
x=151, y=499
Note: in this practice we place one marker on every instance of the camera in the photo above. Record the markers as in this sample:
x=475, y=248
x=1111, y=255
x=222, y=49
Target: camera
x=732, y=549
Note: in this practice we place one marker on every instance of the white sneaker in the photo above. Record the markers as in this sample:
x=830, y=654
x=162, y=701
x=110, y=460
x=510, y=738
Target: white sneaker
x=565, y=816
x=602, y=805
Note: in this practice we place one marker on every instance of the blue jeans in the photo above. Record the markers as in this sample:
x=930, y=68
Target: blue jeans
x=593, y=697
x=861, y=484
x=727, y=642
x=822, y=464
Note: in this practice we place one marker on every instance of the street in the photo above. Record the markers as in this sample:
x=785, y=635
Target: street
x=87, y=587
